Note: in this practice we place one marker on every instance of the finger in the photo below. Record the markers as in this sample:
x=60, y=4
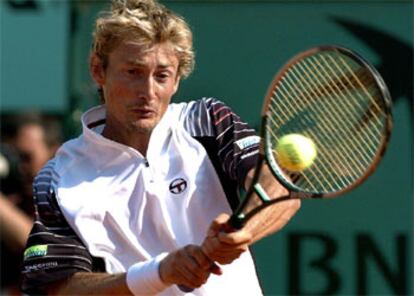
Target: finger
x=228, y=255
x=185, y=279
x=226, y=259
x=196, y=262
x=210, y=245
x=202, y=260
x=214, y=268
x=225, y=252
x=222, y=252
x=217, y=224
x=222, y=218
x=235, y=238
x=190, y=275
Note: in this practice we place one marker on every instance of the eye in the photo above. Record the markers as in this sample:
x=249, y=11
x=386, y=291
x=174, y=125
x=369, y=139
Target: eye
x=163, y=76
x=132, y=71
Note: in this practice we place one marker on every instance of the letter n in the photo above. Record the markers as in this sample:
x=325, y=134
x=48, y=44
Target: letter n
x=368, y=251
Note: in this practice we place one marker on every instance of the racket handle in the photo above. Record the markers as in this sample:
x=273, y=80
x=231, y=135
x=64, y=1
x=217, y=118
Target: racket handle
x=235, y=223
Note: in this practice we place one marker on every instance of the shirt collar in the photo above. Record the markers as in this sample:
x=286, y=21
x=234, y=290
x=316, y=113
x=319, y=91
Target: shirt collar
x=93, y=123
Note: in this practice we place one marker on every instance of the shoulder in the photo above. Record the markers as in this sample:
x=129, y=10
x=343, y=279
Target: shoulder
x=74, y=156
x=44, y=188
x=200, y=116
x=205, y=104
x=46, y=178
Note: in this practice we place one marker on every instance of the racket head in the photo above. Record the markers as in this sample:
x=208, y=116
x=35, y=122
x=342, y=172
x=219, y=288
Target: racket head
x=337, y=99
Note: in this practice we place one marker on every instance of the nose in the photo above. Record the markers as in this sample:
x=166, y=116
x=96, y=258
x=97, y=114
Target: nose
x=146, y=88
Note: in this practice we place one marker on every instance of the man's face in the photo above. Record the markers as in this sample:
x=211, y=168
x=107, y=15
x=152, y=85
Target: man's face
x=138, y=86
x=33, y=150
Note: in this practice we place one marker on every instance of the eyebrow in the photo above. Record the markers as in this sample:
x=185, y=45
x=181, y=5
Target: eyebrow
x=142, y=64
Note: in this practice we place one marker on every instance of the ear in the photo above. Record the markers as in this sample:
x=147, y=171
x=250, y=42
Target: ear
x=97, y=70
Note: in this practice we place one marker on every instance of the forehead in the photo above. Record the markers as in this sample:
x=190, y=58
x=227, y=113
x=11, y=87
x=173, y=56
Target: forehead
x=157, y=55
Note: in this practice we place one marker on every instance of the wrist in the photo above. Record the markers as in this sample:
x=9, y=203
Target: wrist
x=163, y=272
x=143, y=278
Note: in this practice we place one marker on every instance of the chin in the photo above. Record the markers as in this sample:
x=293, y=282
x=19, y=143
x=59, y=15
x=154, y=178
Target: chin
x=143, y=127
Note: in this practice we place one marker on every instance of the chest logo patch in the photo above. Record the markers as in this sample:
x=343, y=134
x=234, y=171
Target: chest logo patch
x=178, y=185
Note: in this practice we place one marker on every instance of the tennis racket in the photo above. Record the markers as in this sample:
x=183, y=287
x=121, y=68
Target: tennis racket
x=334, y=97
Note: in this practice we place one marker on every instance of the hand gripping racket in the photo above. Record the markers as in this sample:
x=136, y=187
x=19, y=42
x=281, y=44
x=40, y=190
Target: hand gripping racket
x=334, y=97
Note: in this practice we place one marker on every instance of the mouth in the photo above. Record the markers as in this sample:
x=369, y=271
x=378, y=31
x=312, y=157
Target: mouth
x=143, y=112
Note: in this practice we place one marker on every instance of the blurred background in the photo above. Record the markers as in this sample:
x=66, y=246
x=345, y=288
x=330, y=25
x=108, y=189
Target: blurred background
x=359, y=244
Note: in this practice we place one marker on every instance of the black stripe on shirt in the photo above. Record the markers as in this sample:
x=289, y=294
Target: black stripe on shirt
x=53, y=251
x=210, y=117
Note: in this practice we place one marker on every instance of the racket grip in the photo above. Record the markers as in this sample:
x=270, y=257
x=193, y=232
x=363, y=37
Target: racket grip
x=235, y=223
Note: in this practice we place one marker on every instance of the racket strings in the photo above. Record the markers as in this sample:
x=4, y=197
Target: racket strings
x=334, y=164
x=370, y=98
x=319, y=174
x=341, y=97
x=297, y=106
x=362, y=80
x=368, y=84
x=330, y=123
x=307, y=178
x=336, y=103
x=346, y=109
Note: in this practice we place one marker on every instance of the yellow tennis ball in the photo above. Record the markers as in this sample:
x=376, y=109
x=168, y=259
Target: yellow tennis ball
x=295, y=152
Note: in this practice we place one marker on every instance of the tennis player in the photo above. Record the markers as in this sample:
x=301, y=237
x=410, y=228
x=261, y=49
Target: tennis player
x=136, y=203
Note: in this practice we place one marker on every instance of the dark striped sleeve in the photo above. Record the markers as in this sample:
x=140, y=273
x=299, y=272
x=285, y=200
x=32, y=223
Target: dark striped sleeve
x=236, y=142
x=53, y=251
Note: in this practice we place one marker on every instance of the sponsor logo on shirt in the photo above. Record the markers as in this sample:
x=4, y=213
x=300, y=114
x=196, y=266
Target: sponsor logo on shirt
x=40, y=266
x=35, y=251
x=178, y=185
x=247, y=142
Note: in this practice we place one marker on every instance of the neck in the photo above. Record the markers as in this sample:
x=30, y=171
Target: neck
x=134, y=139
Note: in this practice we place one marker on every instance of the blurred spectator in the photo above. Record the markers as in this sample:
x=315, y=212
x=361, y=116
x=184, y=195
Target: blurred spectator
x=35, y=139
x=28, y=141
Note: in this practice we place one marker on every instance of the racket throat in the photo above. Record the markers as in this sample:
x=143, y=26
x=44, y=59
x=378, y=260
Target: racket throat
x=238, y=220
x=261, y=193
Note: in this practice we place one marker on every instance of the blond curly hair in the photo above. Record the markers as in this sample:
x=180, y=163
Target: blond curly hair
x=146, y=22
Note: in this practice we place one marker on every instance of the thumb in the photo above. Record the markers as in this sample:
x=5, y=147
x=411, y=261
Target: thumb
x=217, y=224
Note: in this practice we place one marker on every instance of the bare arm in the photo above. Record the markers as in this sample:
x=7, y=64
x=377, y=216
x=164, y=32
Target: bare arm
x=225, y=247
x=275, y=217
x=85, y=283
x=187, y=266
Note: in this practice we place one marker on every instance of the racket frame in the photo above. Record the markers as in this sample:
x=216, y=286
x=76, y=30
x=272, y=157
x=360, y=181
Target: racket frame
x=266, y=155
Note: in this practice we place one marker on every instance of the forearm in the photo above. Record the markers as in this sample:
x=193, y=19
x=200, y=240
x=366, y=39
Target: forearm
x=187, y=266
x=272, y=218
x=84, y=283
